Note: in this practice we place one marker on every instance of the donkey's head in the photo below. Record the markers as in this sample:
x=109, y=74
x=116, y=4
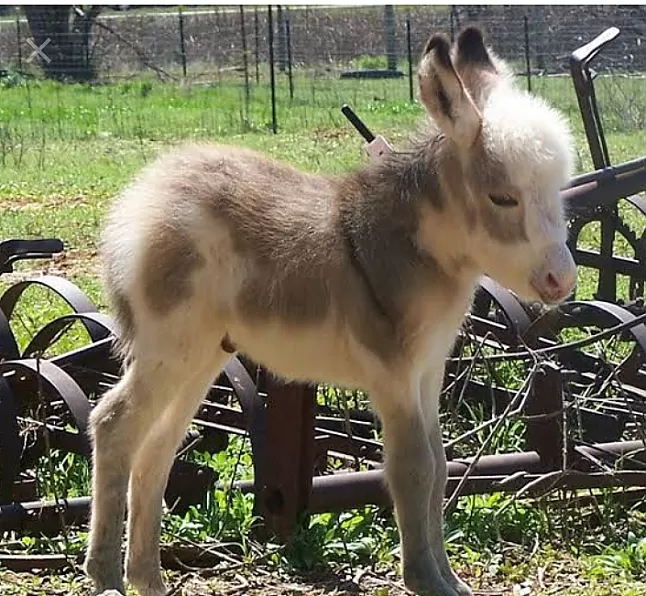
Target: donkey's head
x=512, y=154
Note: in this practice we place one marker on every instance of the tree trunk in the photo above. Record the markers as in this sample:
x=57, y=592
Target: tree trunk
x=68, y=52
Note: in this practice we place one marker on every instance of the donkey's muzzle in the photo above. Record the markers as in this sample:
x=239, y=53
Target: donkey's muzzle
x=556, y=278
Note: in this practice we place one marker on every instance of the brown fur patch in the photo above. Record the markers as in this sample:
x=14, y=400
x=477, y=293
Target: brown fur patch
x=387, y=198
x=169, y=262
x=227, y=345
x=273, y=223
x=126, y=322
x=486, y=176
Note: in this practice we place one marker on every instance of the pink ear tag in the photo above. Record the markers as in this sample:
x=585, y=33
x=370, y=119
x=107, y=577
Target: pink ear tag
x=377, y=148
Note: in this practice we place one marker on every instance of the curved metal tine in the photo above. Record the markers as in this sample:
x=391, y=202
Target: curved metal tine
x=10, y=443
x=588, y=312
x=50, y=332
x=56, y=382
x=508, y=304
x=255, y=415
x=8, y=344
x=71, y=293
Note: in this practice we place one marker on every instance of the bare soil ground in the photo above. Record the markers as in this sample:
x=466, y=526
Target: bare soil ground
x=538, y=576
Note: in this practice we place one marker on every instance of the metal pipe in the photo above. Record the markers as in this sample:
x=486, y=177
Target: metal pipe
x=44, y=516
x=338, y=492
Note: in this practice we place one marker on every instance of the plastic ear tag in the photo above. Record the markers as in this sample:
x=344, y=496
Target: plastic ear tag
x=377, y=148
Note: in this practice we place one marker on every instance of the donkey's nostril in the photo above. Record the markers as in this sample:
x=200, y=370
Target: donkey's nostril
x=552, y=282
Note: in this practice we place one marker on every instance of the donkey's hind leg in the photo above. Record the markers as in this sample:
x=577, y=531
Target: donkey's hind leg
x=118, y=424
x=152, y=465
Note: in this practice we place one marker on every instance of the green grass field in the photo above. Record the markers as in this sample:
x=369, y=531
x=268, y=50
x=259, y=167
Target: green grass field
x=65, y=150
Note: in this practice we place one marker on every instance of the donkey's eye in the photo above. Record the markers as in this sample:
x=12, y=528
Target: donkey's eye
x=503, y=200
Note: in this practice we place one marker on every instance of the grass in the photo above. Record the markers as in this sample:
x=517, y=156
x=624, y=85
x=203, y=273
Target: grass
x=65, y=150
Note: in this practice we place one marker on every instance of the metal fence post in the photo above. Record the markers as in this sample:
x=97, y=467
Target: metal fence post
x=281, y=45
x=528, y=67
x=245, y=63
x=182, y=39
x=391, y=38
x=256, y=27
x=409, y=51
x=288, y=36
x=272, y=73
x=18, y=36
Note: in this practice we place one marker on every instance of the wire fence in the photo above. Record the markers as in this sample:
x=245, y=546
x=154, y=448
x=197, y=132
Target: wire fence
x=325, y=56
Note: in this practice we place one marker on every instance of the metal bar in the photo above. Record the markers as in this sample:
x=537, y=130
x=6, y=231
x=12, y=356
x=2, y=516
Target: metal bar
x=364, y=131
x=584, y=87
x=44, y=516
x=26, y=563
x=545, y=435
x=609, y=173
x=604, y=190
x=338, y=492
x=349, y=490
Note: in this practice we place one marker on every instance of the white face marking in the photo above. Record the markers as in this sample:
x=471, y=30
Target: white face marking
x=534, y=146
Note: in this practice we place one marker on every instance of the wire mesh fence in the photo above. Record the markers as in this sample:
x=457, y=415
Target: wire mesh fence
x=322, y=56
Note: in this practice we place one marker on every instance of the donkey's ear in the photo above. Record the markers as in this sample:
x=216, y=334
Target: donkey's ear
x=480, y=69
x=444, y=95
x=472, y=52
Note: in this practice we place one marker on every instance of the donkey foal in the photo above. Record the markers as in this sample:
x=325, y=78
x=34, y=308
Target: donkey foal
x=360, y=281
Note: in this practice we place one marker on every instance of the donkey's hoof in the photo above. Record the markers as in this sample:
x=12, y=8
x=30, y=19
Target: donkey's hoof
x=107, y=578
x=461, y=589
x=146, y=583
x=422, y=580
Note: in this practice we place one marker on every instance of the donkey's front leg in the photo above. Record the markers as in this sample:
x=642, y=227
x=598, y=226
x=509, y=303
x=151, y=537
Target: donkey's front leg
x=430, y=389
x=410, y=469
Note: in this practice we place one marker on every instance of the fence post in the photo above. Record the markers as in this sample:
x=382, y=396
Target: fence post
x=182, y=39
x=245, y=64
x=288, y=35
x=539, y=36
x=272, y=73
x=528, y=66
x=18, y=36
x=281, y=46
x=409, y=52
x=256, y=27
x=452, y=22
x=391, y=39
